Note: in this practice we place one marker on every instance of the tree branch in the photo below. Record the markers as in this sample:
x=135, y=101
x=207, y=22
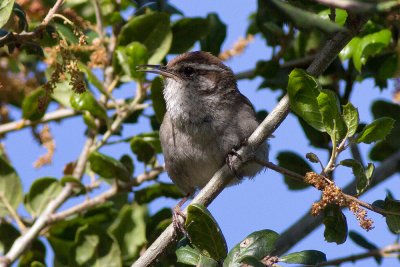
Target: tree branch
x=372, y=253
x=223, y=176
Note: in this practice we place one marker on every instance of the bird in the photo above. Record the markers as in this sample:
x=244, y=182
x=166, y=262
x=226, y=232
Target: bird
x=206, y=119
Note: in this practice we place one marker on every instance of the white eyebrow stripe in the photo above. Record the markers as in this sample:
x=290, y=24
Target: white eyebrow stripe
x=204, y=67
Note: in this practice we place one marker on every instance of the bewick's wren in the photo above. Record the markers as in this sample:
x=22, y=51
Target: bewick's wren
x=206, y=118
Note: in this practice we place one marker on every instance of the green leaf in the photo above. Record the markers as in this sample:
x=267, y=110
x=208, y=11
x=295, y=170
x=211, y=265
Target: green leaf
x=393, y=221
x=251, y=261
x=6, y=7
x=62, y=92
x=129, y=57
x=329, y=108
x=32, y=109
x=87, y=102
x=348, y=51
x=335, y=225
x=363, y=242
x=129, y=230
x=295, y=163
x=303, y=91
x=95, y=247
x=152, y=30
x=369, y=171
x=188, y=255
x=185, y=32
x=376, y=131
x=205, y=233
x=152, y=138
x=370, y=45
x=359, y=172
x=42, y=191
x=212, y=42
x=127, y=161
x=351, y=118
x=258, y=244
x=108, y=167
x=91, y=77
x=152, y=192
x=8, y=235
x=340, y=15
x=10, y=187
x=305, y=19
x=192, y=256
x=306, y=257
x=157, y=98
x=144, y=150
x=66, y=33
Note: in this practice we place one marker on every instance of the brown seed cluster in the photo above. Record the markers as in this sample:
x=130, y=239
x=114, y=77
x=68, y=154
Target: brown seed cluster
x=361, y=215
x=47, y=140
x=331, y=194
x=237, y=49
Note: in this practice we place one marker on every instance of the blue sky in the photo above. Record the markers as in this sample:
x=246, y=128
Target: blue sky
x=263, y=203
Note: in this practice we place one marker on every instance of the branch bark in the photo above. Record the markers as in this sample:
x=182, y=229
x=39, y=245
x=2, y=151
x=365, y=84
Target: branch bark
x=222, y=177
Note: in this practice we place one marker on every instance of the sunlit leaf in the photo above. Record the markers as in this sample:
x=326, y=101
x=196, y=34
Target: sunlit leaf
x=376, y=131
x=10, y=187
x=108, y=167
x=351, y=118
x=6, y=7
x=306, y=257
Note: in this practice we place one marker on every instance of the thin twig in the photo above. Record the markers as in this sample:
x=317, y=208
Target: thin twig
x=13, y=213
x=51, y=12
x=383, y=252
x=51, y=116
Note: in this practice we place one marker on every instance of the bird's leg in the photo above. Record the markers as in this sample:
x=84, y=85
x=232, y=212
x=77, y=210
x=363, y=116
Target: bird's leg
x=231, y=154
x=176, y=213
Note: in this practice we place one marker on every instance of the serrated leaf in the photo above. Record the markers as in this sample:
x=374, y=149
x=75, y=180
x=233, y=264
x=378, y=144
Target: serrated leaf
x=10, y=187
x=205, y=233
x=359, y=172
x=369, y=45
x=329, y=108
x=152, y=30
x=216, y=35
x=303, y=91
x=363, y=242
x=157, y=98
x=6, y=7
x=351, y=118
x=152, y=192
x=335, y=225
x=95, y=247
x=376, y=131
x=305, y=19
x=306, y=257
x=129, y=230
x=32, y=109
x=86, y=102
x=393, y=221
x=258, y=244
x=42, y=191
x=295, y=163
x=108, y=167
x=185, y=32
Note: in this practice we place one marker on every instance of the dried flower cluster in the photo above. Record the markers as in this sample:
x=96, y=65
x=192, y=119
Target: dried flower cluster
x=270, y=260
x=237, y=49
x=361, y=215
x=67, y=63
x=47, y=140
x=333, y=195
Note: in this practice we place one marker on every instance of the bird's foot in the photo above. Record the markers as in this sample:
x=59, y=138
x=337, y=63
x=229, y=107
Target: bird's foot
x=178, y=215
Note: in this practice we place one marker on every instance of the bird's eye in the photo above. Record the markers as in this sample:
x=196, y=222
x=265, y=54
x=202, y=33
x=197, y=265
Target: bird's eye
x=188, y=71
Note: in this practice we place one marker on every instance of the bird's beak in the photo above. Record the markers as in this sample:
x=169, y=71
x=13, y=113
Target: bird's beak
x=157, y=69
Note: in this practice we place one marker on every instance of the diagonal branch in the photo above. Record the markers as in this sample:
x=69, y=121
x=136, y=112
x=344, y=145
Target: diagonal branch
x=223, y=176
